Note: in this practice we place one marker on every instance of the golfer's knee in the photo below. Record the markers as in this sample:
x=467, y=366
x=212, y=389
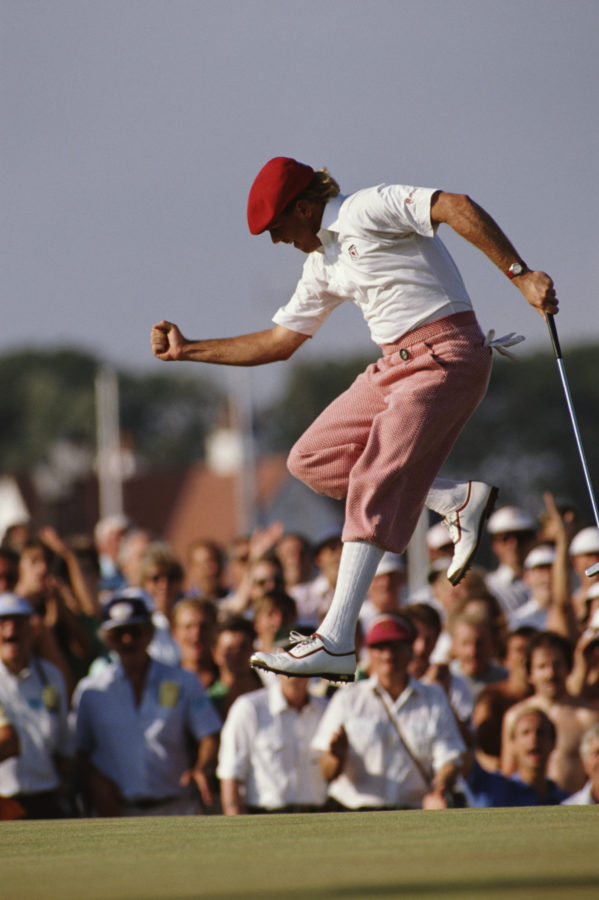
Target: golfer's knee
x=321, y=473
x=301, y=465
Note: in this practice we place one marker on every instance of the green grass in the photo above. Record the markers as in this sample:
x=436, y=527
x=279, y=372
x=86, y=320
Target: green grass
x=533, y=853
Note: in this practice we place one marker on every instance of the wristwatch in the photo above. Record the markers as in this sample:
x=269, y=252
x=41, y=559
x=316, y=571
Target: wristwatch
x=516, y=268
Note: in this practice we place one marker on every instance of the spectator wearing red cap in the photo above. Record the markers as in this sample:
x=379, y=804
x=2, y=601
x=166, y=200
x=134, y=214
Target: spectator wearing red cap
x=389, y=742
x=381, y=444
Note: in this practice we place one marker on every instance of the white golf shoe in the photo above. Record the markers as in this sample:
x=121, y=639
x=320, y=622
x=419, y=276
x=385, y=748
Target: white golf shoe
x=308, y=658
x=465, y=526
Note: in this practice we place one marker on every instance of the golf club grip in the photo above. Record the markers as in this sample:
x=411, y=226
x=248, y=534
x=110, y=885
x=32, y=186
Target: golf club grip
x=554, y=338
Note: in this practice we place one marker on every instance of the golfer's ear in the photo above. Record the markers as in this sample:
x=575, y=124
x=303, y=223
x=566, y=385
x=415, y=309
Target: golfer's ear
x=304, y=208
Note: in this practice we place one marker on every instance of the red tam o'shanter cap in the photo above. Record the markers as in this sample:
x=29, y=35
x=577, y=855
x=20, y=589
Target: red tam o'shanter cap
x=275, y=185
x=389, y=628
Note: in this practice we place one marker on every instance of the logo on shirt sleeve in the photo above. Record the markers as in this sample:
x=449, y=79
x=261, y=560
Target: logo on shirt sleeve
x=169, y=694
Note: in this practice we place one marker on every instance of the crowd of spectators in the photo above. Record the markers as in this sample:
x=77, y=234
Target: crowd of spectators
x=126, y=689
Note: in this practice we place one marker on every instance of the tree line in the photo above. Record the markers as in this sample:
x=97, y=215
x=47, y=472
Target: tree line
x=520, y=436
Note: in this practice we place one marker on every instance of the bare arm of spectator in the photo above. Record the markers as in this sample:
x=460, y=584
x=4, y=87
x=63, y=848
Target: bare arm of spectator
x=333, y=759
x=583, y=653
x=9, y=738
x=46, y=646
x=560, y=618
x=232, y=799
x=58, y=610
x=443, y=782
x=203, y=768
x=85, y=603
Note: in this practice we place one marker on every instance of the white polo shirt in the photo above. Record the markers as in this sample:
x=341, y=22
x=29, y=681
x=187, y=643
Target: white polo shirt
x=379, y=771
x=35, y=703
x=379, y=251
x=265, y=743
x=142, y=748
x=583, y=797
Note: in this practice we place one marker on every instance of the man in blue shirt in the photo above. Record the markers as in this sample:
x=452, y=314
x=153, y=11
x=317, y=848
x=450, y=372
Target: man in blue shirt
x=533, y=736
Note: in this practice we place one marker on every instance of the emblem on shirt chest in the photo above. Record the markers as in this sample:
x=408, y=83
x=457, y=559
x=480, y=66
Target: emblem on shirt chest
x=353, y=251
x=169, y=694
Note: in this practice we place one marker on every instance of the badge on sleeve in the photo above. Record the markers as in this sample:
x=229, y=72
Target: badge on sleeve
x=50, y=698
x=169, y=694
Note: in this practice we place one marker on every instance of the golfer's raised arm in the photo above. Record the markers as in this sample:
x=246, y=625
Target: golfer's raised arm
x=473, y=223
x=255, y=349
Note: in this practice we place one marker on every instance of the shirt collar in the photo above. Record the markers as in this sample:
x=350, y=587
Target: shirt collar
x=412, y=686
x=277, y=703
x=329, y=226
x=23, y=673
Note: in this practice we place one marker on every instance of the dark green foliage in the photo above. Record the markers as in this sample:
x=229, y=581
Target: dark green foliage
x=46, y=396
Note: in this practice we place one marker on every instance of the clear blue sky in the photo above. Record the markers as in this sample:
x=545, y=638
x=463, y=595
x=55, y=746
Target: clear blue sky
x=132, y=130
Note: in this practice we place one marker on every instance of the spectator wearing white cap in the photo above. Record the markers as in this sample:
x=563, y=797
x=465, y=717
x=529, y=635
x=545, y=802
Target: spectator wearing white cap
x=34, y=700
x=537, y=576
x=584, y=553
x=390, y=741
x=438, y=541
x=513, y=532
x=134, y=722
x=439, y=549
x=387, y=589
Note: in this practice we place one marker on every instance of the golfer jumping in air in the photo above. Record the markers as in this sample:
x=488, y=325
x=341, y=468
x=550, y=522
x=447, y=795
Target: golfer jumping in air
x=381, y=444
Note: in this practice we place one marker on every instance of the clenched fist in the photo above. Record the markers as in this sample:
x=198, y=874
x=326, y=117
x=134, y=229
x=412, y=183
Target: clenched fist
x=167, y=341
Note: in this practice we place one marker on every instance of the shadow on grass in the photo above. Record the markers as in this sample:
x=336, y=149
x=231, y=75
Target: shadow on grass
x=473, y=887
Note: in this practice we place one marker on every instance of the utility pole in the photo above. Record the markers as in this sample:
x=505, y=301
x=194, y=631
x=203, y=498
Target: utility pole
x=241, y=408
x=108, y=441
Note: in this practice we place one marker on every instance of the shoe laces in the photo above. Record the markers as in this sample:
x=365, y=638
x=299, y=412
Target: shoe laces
x=451, y=522
x=296, y=638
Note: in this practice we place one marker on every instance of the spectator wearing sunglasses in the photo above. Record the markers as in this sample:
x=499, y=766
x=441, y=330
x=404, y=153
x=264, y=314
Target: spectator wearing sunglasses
x=135, y=722
x=162, y=581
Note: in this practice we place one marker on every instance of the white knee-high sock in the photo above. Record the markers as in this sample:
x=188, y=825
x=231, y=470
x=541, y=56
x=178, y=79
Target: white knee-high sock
x=359, y=561
x=444, y=495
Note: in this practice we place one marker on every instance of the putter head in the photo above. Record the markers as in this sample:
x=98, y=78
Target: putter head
x=592, y=570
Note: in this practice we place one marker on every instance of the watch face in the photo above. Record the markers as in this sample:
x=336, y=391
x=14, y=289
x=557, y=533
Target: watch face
x=516, y=269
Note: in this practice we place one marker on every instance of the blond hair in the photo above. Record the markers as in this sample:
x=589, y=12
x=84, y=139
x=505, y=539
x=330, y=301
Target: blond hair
x=321, y=189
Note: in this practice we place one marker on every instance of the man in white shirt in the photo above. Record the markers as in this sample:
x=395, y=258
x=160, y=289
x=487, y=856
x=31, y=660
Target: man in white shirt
x=390, y=742
x=34, y=701
x=381, y=444
x=266, y=763
x=134, y=722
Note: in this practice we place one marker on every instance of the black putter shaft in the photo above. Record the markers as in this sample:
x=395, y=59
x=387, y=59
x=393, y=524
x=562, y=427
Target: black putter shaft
x=593, y=570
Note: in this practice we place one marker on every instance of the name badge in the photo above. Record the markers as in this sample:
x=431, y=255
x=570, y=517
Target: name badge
x=169, y=694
